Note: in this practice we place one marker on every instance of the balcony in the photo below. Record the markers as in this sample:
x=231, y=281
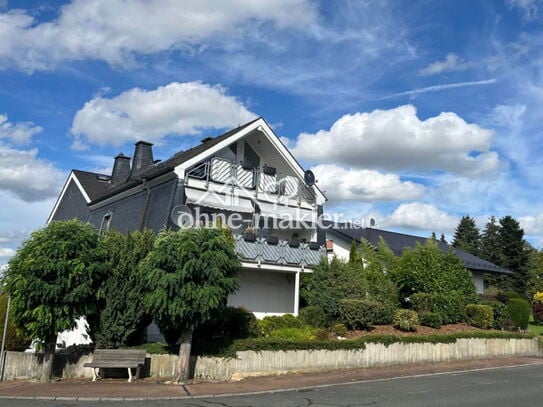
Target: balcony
x=260, y=183
x=280, y=252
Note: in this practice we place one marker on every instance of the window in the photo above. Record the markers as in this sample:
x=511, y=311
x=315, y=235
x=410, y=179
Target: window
x=106, y=222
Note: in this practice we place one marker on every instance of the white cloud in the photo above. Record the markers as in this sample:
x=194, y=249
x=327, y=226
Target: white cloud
x=397, y=139
x=420, y=216
x=115, y=30
x=532, y=225
x=25, y=175
x=175, y=109
x=6, y=252
x=451, y=63
x=530, y=8
x=364, y=185
x=18, y=133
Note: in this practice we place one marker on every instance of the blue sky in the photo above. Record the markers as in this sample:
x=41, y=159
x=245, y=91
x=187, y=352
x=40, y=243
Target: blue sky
x=411, y=113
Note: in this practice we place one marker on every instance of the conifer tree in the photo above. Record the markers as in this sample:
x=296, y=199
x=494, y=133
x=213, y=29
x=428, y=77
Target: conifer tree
x=467, y=236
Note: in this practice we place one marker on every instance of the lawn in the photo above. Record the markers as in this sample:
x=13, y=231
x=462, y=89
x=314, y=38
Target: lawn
x=535, y=329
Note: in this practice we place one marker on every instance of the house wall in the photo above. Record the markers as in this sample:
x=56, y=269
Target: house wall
x=478, y=280
x=127, y=212
x=342, y=246
x=265, y=292
x=73, y=205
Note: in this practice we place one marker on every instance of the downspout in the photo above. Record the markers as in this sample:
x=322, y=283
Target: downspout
x=145, y=205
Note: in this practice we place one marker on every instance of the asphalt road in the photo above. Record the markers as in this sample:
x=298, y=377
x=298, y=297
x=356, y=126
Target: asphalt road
x=517, y=386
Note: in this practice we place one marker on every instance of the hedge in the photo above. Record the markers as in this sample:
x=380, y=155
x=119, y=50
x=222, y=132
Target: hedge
x=269, y=344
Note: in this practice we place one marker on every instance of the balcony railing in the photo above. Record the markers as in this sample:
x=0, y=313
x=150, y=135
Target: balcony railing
x=261, y=181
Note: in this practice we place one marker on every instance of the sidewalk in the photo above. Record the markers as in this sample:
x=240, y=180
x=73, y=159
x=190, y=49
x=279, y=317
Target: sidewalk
x=149, y=388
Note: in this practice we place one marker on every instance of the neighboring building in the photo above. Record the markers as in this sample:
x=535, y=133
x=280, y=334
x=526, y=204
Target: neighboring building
x=342, y=236
x=246, y=172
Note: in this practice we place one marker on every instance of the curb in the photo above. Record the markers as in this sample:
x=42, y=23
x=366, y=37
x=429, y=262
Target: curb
x=280, y=390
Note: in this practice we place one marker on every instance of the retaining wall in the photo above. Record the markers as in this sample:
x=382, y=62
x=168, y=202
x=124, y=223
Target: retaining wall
x=249, y=364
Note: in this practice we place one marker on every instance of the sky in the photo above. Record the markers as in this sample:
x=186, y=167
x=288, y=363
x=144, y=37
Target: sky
x=411, y=113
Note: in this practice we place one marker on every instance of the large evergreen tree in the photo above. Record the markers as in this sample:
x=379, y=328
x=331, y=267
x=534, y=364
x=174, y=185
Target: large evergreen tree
x=123, y=318
x=189, y=275
x=54, y=279
x=515, y=252
x=491, y=250
x=467, y=236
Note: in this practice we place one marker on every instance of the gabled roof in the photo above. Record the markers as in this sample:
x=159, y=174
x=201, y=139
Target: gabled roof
x=172, y=162
x=400, y=241
x=93, y=183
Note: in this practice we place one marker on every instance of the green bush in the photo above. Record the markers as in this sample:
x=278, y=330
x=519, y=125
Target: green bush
x=384, y=313
x=431, y=319
x=421, y=302
x=406, y=320
x=313, y=316
x=501, y=315
x=294, y=334
x=450, y=306
x=155, y=348
x=357, y=314
x=480, y=316
x=519, y=309
x=339, y=329
x=269, y=324
x=228, y=325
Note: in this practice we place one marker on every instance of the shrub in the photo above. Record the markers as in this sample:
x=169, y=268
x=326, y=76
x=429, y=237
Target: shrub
x=431, y=319
x=227, y=326
x=480, y=316
x=450, y=306
x=406, y=320
x=538, y=298
x=339, y=329
x=269, y=324
x=357, y=314
x=421, y=302
x=305, y=333
x=313, y=316
x=501, y=317
x=384, y=313
x=519, y=309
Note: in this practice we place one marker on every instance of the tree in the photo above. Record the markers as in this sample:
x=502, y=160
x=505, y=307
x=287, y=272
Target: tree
x=442, y=239
x=491, y=250
x=330, y=282
x=535, y=276
x=426, y=269
x=515, y=252
x=467, y=236
x=354, y=253
x=123, y=319
x=189, y=275
x=53, y=279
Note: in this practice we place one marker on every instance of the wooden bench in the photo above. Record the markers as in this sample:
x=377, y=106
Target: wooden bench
x=116, y=358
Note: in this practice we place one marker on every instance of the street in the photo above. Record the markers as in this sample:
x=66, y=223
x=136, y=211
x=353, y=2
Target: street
x=513, y=386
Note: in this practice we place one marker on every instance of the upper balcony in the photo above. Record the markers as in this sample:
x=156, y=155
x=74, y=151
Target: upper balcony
x=261, y=183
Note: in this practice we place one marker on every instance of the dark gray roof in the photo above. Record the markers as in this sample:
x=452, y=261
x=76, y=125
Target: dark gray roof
x=400, y=241
x=169, y=164
x=281, y=253
x=94, y=184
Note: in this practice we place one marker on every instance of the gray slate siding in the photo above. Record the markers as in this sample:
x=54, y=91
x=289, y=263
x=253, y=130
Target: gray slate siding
x=73, y=205
x=127, y=213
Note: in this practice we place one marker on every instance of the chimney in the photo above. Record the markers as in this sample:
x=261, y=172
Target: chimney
x=143, y=158
x=121, y=169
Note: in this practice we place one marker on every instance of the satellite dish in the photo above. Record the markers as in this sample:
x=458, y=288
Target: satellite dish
x=372, y=222
x=182, y=216
x=309, y=178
